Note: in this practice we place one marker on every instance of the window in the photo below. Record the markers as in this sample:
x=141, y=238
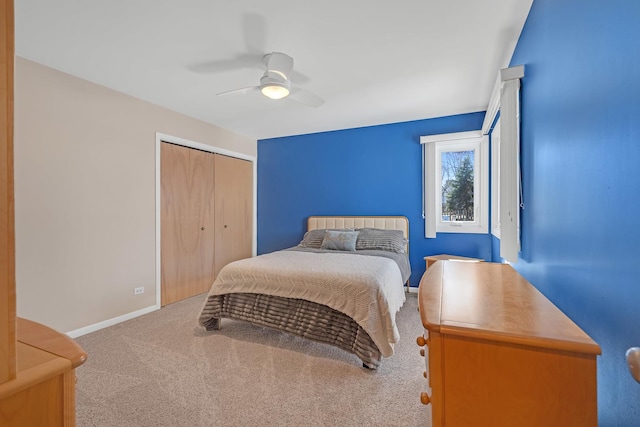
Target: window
x=455, y=183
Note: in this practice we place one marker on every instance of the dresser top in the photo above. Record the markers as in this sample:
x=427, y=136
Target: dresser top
x=492, y=301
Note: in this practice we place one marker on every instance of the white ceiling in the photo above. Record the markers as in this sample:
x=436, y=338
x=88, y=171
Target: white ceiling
x=373, y=61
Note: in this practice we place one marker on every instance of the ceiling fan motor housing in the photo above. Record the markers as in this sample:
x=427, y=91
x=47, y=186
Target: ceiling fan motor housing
x=278, y=61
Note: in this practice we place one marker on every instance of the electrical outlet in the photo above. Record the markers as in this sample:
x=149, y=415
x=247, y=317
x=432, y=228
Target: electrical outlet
x=138, y=291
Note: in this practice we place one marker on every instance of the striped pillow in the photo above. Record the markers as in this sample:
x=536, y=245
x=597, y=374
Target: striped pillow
x=314, y=238
x=385, y=240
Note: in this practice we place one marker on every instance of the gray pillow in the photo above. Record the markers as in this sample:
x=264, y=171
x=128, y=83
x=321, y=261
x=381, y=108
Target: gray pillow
x=313, y=238
x=340, y=240
x=385, y=240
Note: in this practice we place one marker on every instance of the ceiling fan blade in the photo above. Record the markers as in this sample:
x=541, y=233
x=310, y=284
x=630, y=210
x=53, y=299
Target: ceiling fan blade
x=242, y=61
x=305, y=97
x=298, y=77
x=241, y=91
x=254, y=28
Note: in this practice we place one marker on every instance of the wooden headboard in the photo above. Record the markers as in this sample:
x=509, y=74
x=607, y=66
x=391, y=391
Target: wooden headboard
x=382, y=222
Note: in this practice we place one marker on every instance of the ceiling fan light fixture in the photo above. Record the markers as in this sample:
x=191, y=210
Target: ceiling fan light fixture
x=275, y=90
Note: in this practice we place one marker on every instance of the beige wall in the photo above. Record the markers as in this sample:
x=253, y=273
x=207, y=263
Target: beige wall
x=85, y=195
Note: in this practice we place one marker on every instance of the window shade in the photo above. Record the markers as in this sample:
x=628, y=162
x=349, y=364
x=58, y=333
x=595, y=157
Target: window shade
x=506, y=99
x=509, y=170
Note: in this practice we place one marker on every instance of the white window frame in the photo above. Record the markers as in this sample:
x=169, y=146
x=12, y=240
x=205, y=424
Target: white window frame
x=495, y=180
x=433, y=147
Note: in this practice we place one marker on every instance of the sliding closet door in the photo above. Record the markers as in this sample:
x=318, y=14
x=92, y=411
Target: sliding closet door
x=187, y=224
x=233, y=210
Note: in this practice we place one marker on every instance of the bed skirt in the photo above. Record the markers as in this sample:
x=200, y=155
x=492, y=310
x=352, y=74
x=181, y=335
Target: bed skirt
x=296, y=316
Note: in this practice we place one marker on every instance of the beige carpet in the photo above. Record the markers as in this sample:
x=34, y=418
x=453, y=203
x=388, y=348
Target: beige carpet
x=161, y=369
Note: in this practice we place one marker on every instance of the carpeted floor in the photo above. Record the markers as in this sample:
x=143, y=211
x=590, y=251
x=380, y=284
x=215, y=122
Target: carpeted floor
x=161, y=369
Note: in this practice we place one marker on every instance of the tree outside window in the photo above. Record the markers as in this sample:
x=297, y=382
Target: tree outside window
x=457, y=185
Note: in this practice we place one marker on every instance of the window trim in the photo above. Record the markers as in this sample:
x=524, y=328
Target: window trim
x=505, y=99
x=495, y=179
x=432, y=197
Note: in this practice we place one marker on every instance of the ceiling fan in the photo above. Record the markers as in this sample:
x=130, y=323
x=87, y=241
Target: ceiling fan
x=275, y=83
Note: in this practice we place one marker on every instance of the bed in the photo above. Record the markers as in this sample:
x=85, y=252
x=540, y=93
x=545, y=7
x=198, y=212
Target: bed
x=333, y=287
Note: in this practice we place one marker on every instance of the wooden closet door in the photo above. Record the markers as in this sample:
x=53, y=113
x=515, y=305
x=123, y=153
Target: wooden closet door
x=187, y=224
x=233, y=210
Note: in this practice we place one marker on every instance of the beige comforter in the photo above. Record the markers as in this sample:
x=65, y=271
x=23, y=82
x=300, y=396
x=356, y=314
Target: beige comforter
x=368, y=289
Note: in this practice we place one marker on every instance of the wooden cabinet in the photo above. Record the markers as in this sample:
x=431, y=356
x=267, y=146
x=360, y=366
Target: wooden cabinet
x=7, y=242
x=206, y=218
x=37, y=377
x=498, y=353
x=43, y=392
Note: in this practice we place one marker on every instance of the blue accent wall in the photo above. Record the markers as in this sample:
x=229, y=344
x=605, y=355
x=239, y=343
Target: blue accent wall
x=495, y=249
x=373, y=170
x=581, y=178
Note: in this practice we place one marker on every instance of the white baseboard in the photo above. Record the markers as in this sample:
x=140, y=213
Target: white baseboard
x=413, y=290
x=110, y=322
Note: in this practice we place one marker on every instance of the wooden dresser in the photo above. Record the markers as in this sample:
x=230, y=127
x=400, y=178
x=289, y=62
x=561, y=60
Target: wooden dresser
x=432, y=259
x=37, y=377
x=498, y=353
x=43, y=391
